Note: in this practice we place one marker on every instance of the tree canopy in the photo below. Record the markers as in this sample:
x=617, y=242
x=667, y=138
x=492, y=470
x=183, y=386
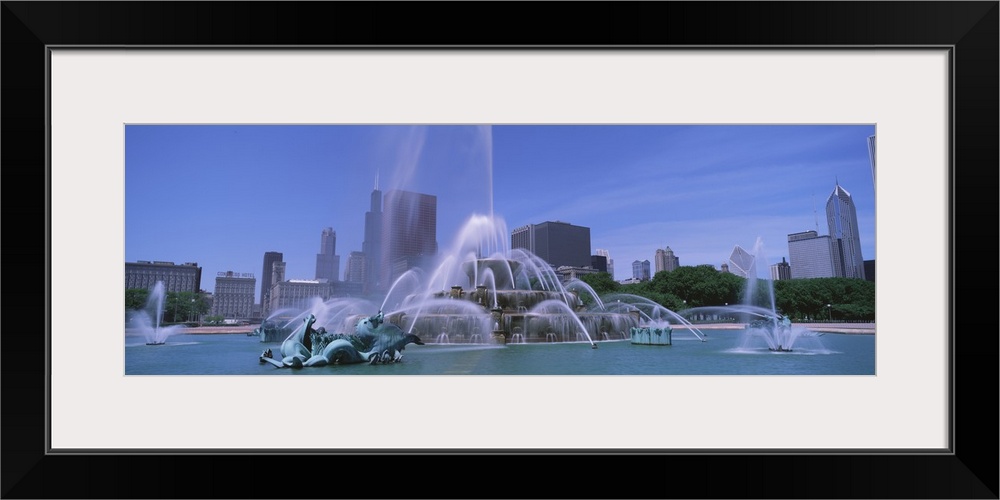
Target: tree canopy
x=696, y=286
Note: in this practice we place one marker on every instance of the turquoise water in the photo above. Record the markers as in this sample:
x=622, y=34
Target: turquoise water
x=726, y=352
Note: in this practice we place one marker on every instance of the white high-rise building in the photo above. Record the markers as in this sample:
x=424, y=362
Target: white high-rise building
x=611, y=263
x=743, y=263
x=809, y=255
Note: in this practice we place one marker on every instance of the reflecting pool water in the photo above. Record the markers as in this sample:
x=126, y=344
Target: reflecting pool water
x=724, y=353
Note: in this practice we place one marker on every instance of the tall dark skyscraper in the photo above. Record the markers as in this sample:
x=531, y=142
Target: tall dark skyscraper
x=265, y=277
x=558, y=243
x=372, y=245
x=842, y=219
x=409, y=233
x=327, y=260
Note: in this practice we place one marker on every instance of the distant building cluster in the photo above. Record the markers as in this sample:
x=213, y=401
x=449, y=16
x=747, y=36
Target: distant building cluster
x=811, y=255
x=833, y=255
x=400, y=234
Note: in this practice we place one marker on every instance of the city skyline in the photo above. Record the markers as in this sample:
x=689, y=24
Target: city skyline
x=699, y=189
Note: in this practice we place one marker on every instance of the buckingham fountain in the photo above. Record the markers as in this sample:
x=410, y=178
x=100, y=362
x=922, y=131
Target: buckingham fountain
x=480, y=291
x=483, y=293
x=509, y=300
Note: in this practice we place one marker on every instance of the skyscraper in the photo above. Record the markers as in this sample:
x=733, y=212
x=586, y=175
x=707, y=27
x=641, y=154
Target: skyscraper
x=673, y=261
x=640, y=270
x=599, y=263
x=665, y=260
x=743, y=263
x=611, y=262
x=265, y=278
x=327, y=260
x=781, y=270
x=371, y=247
x=558, y=243
x=842, y=219
x=659, y=261
x=871, y=155
x=810, y=255
x=233, y=297
x=409, y=233
x=355, y=272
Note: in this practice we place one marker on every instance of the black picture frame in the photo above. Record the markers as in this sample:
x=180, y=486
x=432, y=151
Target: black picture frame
x=28, y=28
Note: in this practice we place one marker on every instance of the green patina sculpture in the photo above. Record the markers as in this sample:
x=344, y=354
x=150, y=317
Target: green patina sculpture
x=373, y=341
x=652, y=335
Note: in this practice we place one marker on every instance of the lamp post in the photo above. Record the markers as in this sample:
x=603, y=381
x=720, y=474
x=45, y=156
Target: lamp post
x=829, y=310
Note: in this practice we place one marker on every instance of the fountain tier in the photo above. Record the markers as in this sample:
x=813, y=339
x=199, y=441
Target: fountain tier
x=492, y=310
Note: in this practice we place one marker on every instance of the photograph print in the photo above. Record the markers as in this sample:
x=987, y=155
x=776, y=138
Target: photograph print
x=562, y=249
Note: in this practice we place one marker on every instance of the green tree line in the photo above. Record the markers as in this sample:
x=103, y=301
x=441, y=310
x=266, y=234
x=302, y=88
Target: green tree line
x=178, y=307
x=820, y=299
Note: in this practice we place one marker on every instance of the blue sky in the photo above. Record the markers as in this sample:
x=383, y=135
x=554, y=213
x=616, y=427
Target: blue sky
x=224, y=195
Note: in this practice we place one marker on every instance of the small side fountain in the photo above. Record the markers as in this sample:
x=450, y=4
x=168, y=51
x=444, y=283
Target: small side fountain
x=765, y=326
x=147, y=321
